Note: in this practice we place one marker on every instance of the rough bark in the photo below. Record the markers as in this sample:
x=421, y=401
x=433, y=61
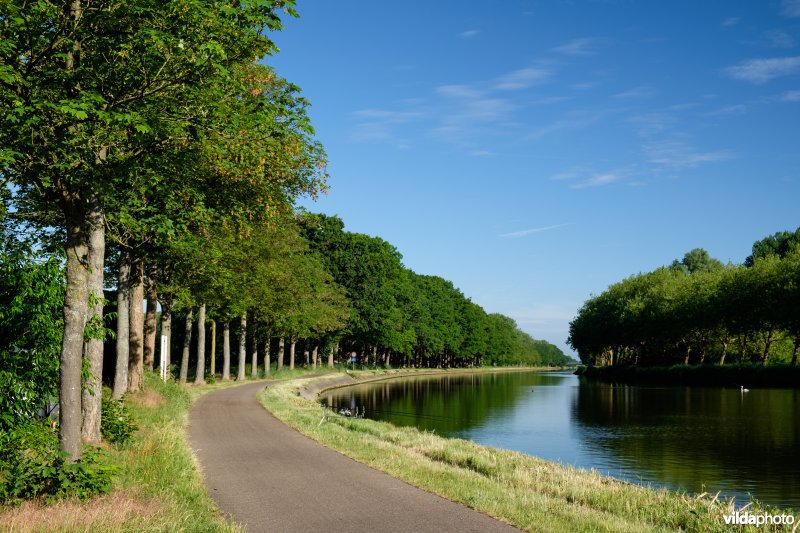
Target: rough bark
x=75, y=308
x=150, y=318
x=92, y=390
x=226, y=351
x=267, y=362
x=76, y=301
x=242, y=347
x=213, y=369
x=254, y=355
x=136, y=355
x=281, y=353
x=292, y=342
x=123, y=327
x=187, y=343
x=200, y=375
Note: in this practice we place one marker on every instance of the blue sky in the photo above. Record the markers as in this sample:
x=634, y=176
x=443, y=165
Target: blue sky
x=535, y=152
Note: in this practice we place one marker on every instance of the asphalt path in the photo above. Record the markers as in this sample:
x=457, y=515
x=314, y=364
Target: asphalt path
x=269, y=477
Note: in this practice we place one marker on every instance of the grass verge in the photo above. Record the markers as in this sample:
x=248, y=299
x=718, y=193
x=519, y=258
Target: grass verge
x=159, y=486
x=530, y=493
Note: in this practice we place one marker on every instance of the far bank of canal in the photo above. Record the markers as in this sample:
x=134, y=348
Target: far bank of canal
x=699, y=439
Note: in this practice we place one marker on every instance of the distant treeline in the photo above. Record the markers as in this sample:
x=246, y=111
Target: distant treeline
x=699, y=311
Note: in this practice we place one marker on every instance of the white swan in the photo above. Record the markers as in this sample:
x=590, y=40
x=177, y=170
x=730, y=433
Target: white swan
x=744, y=390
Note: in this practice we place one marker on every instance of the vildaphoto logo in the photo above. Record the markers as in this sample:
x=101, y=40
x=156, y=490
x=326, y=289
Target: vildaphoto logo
x=739, y=518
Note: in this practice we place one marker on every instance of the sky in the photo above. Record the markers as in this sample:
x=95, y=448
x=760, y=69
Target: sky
x=535, y=152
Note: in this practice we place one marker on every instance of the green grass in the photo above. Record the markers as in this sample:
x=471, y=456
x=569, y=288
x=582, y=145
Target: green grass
x=158, y=487
x=530, y=493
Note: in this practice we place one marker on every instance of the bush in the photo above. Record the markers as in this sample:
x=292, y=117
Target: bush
x=32, y=464
x=116, y=423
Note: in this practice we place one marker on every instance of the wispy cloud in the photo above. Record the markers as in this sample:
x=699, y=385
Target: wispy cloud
x=779, y=39
x=380, y=125
x=466, y=110
x=598, y=180
x=574, y=120
x=526, y=232
x=389, y=116
x=469, y=34
x=481, y=153
x=643, y=91
x=763, y=70
x=522, y=79
x=730, y=22
x=577, y=47
x=677, y=154
x=791, y=96
x=790, y=8
x=738, y=109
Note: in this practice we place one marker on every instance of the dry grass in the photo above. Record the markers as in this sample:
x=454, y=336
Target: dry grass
x=147, y=398
x=104, y=513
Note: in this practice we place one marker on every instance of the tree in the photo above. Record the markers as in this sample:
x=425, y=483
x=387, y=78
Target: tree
x=86, y=91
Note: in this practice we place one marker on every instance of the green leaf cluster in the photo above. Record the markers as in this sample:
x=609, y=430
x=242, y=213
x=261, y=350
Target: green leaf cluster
x=698, y=311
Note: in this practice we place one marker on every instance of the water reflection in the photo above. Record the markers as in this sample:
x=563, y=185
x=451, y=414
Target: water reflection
x=697, y=439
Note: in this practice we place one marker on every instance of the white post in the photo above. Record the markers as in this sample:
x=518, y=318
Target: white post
x=164, y=359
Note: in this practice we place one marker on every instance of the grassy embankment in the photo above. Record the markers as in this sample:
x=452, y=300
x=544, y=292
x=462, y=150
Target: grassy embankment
x=527, y=492
x=158, y=486
x=779, y=375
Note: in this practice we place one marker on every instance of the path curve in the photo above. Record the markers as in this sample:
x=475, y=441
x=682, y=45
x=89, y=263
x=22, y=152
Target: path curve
x=269, y=477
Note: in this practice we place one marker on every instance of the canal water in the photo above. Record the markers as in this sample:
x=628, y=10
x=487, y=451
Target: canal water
x=698, y=439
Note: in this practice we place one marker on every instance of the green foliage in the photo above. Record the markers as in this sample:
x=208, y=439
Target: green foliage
x=32, y=465
x=413, y=318
x=31, y=315
x=697, y=312
x=116, y=422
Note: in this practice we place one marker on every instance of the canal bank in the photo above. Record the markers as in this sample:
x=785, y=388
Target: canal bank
x=530, y=493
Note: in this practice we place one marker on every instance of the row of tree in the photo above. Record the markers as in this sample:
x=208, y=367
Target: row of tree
x=311, y=287
x=699, y=311
x=128, y=129
x=149, y=142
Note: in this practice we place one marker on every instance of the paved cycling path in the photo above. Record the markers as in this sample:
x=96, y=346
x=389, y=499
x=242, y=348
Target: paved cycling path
x=269, y=477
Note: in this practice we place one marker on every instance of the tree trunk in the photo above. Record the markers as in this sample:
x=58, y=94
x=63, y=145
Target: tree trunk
x=742, y=348
x=75, y=309
x=213, y=348
x=242, y=347
x=226, y=351
x=150, y=318
x=187, y=343
x=92, y=390
x=314, y=357
x=166, y=333
x=200, y=375
x=281, y=353
x=267, y=361
x=254, y=355
x=123, y=326
x=136, y=360
x=292, y=340
x=767, y=343
x=724, y=351
x=306, y=358
x=330, y=356
x=794, y=352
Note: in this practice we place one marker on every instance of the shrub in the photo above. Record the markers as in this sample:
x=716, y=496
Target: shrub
x=32, y=464
x=116, y=422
